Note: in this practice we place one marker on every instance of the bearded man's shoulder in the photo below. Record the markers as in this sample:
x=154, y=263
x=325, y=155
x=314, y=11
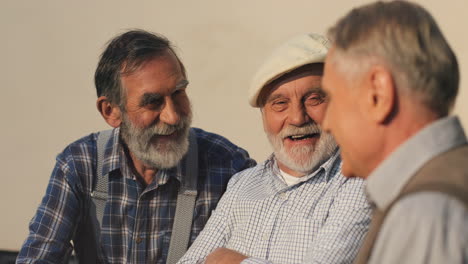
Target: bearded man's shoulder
x=85, y=143
x=217, y=147
x=76, y=162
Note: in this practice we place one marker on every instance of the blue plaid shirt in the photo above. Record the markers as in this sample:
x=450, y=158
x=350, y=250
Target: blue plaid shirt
x=138, y=220
x=320, y=220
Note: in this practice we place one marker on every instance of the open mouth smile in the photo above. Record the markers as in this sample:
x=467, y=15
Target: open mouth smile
x=303, y=137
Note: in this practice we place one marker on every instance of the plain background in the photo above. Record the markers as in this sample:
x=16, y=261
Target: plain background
x=49, y=51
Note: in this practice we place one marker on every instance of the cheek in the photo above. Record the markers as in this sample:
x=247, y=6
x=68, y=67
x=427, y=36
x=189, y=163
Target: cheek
x=343, y=129
x=273, y=122
x=346, y=167
x=352, y=142
x=143, y=118
x=184, y=106
x=338, y=119
x=317, y=113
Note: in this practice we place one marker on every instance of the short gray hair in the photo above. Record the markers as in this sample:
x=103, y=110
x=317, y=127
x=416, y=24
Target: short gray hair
x=125, y=54
x=406, y=38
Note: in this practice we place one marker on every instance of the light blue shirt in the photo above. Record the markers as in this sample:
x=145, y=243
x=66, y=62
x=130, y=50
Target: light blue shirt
x=426, y=227
x=320, y=220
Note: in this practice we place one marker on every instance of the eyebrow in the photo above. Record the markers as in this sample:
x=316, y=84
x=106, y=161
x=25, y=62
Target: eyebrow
x=274, y=97
x=318, y=90
x=149, y=98
x=182, y=84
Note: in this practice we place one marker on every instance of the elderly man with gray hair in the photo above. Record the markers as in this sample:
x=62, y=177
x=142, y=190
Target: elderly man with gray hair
x=296, y=206
x=390, y=116
x=127, y=195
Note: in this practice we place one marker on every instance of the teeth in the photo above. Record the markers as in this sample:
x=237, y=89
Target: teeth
x=303, y=136
x=297, y=136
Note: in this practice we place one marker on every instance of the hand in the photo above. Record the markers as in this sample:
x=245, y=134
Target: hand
x=224, y=256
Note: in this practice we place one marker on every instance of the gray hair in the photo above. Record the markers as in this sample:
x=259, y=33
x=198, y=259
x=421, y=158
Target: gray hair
x=125, y=54
x=406, y=38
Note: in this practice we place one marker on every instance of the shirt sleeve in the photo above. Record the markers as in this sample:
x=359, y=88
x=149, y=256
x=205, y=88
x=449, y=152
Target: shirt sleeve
x=51, y=229
x=242, y=161
x=253, y=260
x=342, y=234
x=217, y=230
x=424, y=228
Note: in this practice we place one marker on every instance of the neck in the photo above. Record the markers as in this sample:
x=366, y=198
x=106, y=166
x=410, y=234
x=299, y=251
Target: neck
x=288, y=170
x=144, y=173
x=399, y=130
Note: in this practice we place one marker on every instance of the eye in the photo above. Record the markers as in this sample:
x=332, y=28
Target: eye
x=178, y=93
x=279, y=105
x=152, y=101
x=155, y=104
x=314, y=99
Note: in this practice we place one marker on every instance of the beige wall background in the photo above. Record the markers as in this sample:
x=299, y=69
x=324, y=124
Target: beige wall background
x=49, y=50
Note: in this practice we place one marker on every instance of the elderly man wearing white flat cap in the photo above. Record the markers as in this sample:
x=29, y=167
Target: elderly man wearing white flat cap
x=296, y=207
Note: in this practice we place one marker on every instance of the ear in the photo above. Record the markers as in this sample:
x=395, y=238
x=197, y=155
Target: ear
x=110, y=112
x=381, y=97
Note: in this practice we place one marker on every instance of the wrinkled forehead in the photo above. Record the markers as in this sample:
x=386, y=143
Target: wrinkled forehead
x=315, y=69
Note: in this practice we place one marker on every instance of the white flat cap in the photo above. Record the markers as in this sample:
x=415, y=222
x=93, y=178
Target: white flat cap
x=297, y=52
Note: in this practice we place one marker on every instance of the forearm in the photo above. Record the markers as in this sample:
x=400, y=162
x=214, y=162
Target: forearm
x=52, y=227
x=229, y=256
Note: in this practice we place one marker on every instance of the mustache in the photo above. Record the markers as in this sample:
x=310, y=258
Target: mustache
x=309, y=128
x=163, y=129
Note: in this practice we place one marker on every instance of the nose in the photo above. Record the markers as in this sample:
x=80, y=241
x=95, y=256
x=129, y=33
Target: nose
x=298, y=115
x=169, y=114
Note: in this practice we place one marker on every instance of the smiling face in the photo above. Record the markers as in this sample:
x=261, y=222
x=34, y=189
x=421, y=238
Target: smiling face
x=293, y=107
x=157, y=114
x=347, y=117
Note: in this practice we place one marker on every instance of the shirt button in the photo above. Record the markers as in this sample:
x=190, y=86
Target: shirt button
x=138, y=240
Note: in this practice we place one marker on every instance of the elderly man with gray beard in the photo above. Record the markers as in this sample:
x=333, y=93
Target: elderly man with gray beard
x=146, y=161
x=296, y=206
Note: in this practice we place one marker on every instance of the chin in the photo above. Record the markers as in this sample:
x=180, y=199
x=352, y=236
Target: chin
x=348, y=174
x=346, y=170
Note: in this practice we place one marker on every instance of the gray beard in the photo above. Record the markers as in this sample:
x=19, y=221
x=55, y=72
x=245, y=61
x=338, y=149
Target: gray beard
x=303, y=159
x=157, y=155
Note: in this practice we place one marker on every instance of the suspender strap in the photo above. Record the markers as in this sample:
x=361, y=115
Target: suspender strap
x=184, y=209
x=99, y=193
x=185, y=204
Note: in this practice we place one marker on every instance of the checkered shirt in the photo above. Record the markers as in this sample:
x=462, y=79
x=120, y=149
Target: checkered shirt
x=137, y=223
x=320, y=220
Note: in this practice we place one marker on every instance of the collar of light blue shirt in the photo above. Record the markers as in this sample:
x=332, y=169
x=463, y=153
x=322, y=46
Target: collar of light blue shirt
x=385, y=183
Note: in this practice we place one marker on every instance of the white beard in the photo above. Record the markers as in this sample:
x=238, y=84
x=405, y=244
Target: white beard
x=303, y=159
x=157, y=155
